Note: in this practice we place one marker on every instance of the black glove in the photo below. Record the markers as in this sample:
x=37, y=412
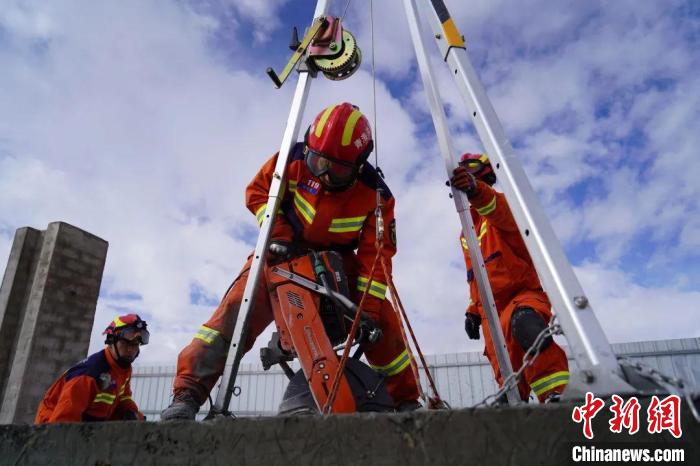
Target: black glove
x=472, y=322
x=464, y=181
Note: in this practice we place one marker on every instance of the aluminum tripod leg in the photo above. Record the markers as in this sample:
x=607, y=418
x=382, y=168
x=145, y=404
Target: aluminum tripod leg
x=235, y=353
x=461, y=201
x=600, y=371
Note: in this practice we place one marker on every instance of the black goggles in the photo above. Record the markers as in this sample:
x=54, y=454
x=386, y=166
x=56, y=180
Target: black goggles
x=340, y=173
x=132, y=334
x=473, y=166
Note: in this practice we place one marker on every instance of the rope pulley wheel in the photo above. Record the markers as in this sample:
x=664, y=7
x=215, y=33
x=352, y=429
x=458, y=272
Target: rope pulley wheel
x=344, y=63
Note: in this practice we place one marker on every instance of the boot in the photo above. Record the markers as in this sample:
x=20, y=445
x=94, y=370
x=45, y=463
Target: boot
x=184, y=407
x=408, y=406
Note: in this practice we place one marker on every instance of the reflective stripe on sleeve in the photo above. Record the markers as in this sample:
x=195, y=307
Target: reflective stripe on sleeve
x=349, y=224
x=104, y=397
x=549, y=382
x=488, y=208
x=377, y=289
x=206, y=334
x=400, y=363
x=260, y=214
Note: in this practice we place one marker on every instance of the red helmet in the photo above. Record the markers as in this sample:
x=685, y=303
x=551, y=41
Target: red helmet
x=127, y=327
x=338, y=142
x=478, y=165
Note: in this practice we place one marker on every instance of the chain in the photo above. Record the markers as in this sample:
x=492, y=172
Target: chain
x=528, y=359
x=677, y=384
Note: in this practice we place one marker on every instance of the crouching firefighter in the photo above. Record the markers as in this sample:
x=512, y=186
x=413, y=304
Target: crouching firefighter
x=523, y=307
x=328, y=204
x=98, y=388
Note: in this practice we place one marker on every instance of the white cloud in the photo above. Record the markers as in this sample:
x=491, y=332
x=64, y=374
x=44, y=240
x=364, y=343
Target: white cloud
x=123, y=121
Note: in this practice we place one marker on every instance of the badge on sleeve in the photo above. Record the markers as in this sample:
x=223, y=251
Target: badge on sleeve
x=392, y=231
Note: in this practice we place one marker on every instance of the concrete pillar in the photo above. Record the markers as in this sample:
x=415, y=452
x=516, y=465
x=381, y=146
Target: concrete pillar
x=47, y=309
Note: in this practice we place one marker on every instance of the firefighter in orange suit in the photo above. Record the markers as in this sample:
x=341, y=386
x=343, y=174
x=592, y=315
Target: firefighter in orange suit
x=328, y=204
x=98, y=388
x=523, y=307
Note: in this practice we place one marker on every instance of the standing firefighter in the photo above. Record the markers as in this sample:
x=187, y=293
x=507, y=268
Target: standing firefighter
x=523, y=307
x=98, y=388
x=328, y=204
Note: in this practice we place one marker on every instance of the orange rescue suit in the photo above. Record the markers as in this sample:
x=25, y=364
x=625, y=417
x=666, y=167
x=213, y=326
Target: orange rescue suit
x=514, y=284
x=313, y=217
x=96, y=389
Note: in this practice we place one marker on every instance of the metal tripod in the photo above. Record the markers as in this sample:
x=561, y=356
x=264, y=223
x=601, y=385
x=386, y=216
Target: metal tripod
x=599, y=370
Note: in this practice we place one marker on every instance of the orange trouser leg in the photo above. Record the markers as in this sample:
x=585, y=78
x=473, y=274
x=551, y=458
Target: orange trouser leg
x=201, y=363
x=549, y=372
x=390, y=357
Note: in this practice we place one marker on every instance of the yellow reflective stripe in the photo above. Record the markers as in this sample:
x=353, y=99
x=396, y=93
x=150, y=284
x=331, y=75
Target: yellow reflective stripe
x=322, y=121
x=343, y=225
x=125, y=398
x=400, y=363
x=549, y=382
x=377, y=289
x=482, y=231
x=306, y=210
x=104, y=397
x=350, y=127
x=292, y=186
x=484, y=158
x=464, y=243
x=260, y=213
x=118, y=322
x=206, y=334
x=488, y=208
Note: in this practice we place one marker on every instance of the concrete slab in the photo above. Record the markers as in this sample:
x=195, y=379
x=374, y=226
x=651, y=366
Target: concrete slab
x=542, y=435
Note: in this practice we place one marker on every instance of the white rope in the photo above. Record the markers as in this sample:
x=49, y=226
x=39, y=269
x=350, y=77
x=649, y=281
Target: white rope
x=374, y=86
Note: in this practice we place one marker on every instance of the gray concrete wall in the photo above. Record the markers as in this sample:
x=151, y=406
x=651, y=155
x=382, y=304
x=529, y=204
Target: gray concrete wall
x=14, y=293
x=57, y=316
x=534, y=435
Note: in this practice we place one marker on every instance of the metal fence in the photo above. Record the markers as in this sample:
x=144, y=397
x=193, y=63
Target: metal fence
x=463, y=379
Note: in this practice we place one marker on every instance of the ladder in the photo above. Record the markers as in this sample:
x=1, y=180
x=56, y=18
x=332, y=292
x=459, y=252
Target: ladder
x=598, y=367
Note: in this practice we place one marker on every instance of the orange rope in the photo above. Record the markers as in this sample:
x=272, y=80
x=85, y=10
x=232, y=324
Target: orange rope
x=351, y=337
x=437, y=401
x=394, y=296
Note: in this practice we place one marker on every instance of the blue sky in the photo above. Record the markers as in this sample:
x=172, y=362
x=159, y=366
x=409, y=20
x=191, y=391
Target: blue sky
x=143, y=121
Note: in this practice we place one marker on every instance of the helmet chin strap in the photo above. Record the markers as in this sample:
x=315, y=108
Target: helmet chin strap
x=124, y=361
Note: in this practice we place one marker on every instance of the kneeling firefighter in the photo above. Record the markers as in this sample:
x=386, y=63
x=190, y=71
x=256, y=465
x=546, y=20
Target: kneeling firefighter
x=99, y=388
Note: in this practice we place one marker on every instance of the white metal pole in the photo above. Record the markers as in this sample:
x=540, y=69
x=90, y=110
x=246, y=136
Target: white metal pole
x=599, y=369
x=460, y=199
x=289, y=138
